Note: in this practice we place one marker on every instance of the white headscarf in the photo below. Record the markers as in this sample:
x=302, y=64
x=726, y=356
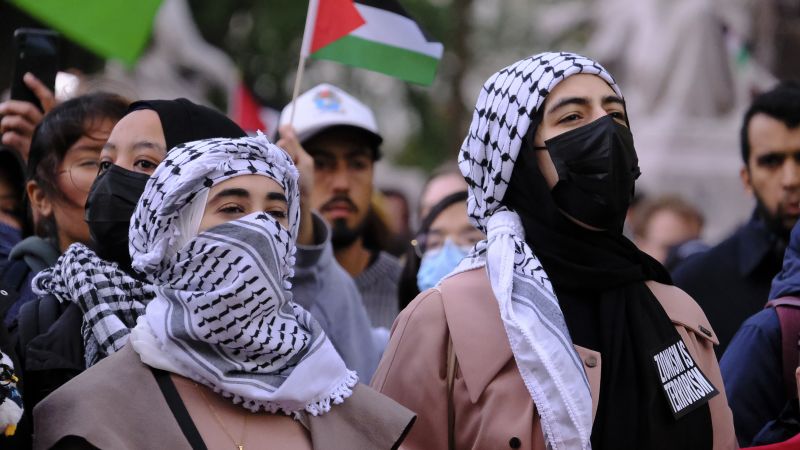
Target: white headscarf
x=537, y=333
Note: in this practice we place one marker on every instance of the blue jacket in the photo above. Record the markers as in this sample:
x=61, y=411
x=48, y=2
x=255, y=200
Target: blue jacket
x=752, y=372
x=752, y=366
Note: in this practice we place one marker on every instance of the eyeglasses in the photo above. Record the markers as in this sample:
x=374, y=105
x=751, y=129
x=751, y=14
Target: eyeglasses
x=433, y=240
x=82, y=173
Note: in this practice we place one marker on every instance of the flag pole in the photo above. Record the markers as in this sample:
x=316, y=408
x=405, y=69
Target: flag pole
x=297, y=82
x=305, y=51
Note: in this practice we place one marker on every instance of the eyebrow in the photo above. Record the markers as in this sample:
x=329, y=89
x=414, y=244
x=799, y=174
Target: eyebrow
x=148, y=145
x=88, y=148
x=277, y=196
x=359, y=151
x=584, y=101
x=232, y=192
x=783, y=154
x=244, y=193
x=612, y=99
x=318, y=151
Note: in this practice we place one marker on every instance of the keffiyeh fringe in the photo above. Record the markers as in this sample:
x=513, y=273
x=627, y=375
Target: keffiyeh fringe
x=337, y=396
x=152, y=353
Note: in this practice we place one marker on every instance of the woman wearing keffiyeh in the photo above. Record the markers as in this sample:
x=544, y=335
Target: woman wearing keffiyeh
x=111, y=296
x=214, y=234
x=556, y=331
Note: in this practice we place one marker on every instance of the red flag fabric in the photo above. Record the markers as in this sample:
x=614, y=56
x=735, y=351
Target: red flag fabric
x=247, y=111
x=334, y=20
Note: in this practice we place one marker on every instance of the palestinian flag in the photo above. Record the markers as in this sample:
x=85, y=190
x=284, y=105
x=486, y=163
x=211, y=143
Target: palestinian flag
x=377, y=35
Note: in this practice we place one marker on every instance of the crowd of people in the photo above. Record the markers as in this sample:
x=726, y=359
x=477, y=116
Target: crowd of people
x=167, y=280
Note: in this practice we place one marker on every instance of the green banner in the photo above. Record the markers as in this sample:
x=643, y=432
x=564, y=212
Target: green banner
x=114, y=29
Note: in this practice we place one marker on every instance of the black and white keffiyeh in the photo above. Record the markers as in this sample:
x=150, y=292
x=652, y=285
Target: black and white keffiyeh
x=550, y=367
x=223, y=314
x=110, y=299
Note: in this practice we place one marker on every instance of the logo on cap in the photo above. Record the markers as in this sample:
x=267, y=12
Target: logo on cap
x=327, y=101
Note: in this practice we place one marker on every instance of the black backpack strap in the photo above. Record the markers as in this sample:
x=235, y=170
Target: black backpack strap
x=12, y=278
x=15, y=273
x=36, y=317
x=788, y=310
x=27, y=326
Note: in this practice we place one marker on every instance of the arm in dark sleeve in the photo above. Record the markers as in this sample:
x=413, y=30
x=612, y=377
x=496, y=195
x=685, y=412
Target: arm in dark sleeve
x=752, y=373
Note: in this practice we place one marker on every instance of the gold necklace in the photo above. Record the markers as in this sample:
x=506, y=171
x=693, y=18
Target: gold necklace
x=239, y=445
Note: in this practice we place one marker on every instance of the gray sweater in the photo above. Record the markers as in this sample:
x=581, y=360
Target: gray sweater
x=322, y=287
x=378, y=287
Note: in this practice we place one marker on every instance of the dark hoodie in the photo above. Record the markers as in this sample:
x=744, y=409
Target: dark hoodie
x=27, y=258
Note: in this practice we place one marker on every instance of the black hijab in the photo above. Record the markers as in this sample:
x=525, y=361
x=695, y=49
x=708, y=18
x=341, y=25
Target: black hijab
x=599, y=279
x=182, y=121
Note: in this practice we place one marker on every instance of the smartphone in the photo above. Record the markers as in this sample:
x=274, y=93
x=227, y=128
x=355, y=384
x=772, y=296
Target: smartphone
x=36, y=51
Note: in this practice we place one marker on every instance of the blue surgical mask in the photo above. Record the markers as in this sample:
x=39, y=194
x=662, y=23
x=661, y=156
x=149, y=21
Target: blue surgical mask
x=436, y=264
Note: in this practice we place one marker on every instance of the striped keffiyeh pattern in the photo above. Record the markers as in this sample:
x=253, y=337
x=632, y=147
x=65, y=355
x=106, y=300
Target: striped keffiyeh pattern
x=223, y=312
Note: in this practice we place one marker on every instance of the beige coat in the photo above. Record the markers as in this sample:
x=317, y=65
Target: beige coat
x=493, y=408
x=118, y=405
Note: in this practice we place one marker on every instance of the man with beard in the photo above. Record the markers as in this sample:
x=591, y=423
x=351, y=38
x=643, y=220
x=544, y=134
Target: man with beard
x=732, y=280
x=341, y=135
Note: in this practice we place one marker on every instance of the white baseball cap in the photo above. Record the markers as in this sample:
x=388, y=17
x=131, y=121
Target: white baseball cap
x=325, y=106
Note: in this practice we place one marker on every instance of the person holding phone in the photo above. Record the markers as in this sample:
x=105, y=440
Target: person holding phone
x=35, y=67
x=19, y=117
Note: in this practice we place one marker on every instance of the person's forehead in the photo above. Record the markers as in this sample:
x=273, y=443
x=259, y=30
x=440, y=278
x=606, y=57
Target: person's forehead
x=142, y=118
x=442, y=186
x=452, y=219
x=768, y=134
x=668, y=224
x=580, y=85
x=93, y=139
x=139, y=124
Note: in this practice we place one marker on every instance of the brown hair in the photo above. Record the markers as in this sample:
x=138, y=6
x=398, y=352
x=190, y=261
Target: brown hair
x=673, y=203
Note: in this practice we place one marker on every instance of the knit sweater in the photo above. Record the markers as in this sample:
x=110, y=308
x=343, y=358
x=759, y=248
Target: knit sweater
x=378, y=287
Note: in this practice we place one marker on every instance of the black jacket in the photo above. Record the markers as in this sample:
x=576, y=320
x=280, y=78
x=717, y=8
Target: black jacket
x=731, y=281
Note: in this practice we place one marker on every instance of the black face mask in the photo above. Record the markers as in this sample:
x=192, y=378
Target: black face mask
x=597, y=169
x=109, y=208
